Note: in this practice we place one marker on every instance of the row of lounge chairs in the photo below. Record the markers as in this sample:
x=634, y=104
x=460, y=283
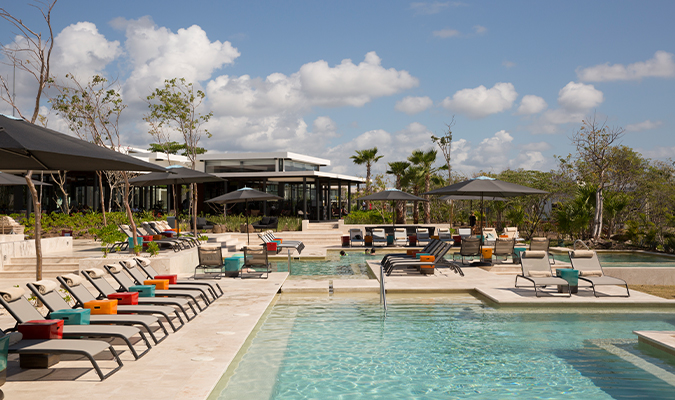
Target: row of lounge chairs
x=436, y=248
x=536, y=270
x=159, y=230
x=400, y=236
x=146, y=320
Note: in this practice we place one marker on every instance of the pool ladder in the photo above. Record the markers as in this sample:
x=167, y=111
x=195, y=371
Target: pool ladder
x=383, y=293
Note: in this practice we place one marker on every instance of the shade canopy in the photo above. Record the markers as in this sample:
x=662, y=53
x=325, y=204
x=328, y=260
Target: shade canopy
x=460, y=197
x=174, y=175
x=13, y=180
x=26, y=146
x=486, y=186
x=243, y=195
x=392, y=195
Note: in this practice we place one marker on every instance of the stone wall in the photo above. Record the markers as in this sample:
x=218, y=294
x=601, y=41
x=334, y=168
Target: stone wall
x=26, y=248
x=181, y=262
x=643, y=276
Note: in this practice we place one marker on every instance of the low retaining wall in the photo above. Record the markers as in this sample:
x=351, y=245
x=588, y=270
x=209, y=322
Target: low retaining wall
x=181, y=262
x=643, y=276
x=26, y=248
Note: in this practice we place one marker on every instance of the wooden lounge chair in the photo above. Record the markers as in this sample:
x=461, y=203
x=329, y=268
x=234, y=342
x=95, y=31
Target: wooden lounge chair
x=537, y=271
x=72, y=284
x=590, y=271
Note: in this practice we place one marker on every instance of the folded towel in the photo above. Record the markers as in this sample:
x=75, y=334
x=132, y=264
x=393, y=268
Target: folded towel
x=114, y=268
x=11, y=293
x=144, y=261
x=45, y=286
x=539, y=274
x=130, y=263
x=72, y=279
x=591, y=272
x=95, y=272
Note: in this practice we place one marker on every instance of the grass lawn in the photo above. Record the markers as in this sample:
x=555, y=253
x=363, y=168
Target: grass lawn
x=665, y=291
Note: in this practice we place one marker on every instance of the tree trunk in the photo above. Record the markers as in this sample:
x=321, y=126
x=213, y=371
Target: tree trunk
x=427, y=204
x=130, y=215
x=175, y=201
x=102, y=195
x=597, y=220
x=37, y=210
x=194, y=209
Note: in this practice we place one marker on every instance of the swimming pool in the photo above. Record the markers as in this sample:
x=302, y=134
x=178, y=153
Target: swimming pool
x=628, y=259
x=445, y=348
x=352, y=266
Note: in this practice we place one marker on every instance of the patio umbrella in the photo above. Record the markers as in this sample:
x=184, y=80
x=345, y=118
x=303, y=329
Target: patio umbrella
x=243, y=195
x=484, y=186
x=174, y=175
x=13, y=180
x=392, y=195
x=26, y=146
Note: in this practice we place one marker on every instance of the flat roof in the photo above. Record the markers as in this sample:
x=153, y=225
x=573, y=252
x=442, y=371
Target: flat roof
x=267, y=155
x=289, y=176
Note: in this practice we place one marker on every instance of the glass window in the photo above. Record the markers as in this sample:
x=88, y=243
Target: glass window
x=299, y=166
x=224, y=166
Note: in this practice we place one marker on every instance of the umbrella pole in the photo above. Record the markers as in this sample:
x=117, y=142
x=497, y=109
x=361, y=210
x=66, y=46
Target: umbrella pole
x=248, y=235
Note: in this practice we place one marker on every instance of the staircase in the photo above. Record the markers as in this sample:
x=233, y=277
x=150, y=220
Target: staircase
x=52, y=266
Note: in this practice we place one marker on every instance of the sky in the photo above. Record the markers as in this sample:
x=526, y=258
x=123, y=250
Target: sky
x=327, y=78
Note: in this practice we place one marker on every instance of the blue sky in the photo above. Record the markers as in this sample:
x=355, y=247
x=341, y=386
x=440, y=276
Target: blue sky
x=329, y=78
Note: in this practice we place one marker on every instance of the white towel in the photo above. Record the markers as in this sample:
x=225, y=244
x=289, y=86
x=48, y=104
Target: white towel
x=72, y=279
x=114, y=268
x=11, y=293
x=95, y=272
x=45, y=286
x=144, y=261
x=130, y=263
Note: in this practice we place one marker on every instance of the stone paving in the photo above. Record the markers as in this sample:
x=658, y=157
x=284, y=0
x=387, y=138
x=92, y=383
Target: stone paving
x=189, y=364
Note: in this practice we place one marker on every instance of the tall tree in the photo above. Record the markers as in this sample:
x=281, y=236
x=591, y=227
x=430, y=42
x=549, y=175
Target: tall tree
x=444, y=143
x=32, y=55
x=176, y=107
x=594, y=143
x=425, y=160
x=367, y=157
x=413, y=178
x=398, y=168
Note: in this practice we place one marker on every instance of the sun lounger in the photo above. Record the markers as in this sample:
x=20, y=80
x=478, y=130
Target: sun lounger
x=96, y=277
x=256, y=263
x=144, y=265
x=150, y=229
x=439, y=261
x=176, y=246
x=445, y=235
x=464, y=233
x=379, y=237
x=590, y=271
x=139, y=277
x=79, y=347
x=489, y=236
x=438, y=251
x=268, y=237
x=400, y=237
x=537, y=270
x=426, y=249
x=20, y=308
x=423, y=235
x=116, y=272
x=53, y=301
x=541, y=244
x=356, y=236
x=81, y=294
x=470, y=247
x=504, y=248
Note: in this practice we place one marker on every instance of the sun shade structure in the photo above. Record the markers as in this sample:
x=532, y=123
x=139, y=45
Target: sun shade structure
x=26, y=146
x=13, y=180
x=174, y=175
x=461, y=197
x=392, y=195
x=244, y=195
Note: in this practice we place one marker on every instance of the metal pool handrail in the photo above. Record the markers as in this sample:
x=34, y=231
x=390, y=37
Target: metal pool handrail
x=582, y=243
x=383, y=294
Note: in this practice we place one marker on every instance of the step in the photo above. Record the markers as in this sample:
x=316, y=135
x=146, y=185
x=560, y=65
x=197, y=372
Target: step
x=48, y=259
x=45, y=266
x=30, y=274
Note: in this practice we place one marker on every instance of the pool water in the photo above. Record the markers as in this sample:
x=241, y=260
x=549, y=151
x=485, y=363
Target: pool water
x=450, y=347
x=628, y=259
x=352, y=266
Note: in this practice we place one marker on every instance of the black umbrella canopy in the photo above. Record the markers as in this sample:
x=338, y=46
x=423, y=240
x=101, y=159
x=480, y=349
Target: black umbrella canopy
x=26, y=146
x=243, y=195
x=174, y=175
x=486, y=186
x=393, y=195
x=13, y=180
x=460, y=197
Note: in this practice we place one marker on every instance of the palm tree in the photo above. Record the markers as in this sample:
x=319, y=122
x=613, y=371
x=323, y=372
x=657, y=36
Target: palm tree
x=414, y=179
x=425, y=160
x=368, y=157
x=398, y=168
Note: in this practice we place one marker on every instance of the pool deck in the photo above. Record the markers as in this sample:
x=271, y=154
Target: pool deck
x=189, y=363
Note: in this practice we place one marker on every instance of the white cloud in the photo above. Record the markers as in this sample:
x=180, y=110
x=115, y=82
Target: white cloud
x=537, y=146
x=658, y=152
x=79, y=49
x=643, y=126
x=531, y=104
x=430, y=8
x=491, y=153
x=481, y=102
x=508, y=64
x=479, y=29
x=529, y=160
x=661, y=66
x=446, y=33
x=413, y=105
x=579, y=97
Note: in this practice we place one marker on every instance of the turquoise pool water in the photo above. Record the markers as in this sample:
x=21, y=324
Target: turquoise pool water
x=628, y=259
x=450, y=347
x=352, y=266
